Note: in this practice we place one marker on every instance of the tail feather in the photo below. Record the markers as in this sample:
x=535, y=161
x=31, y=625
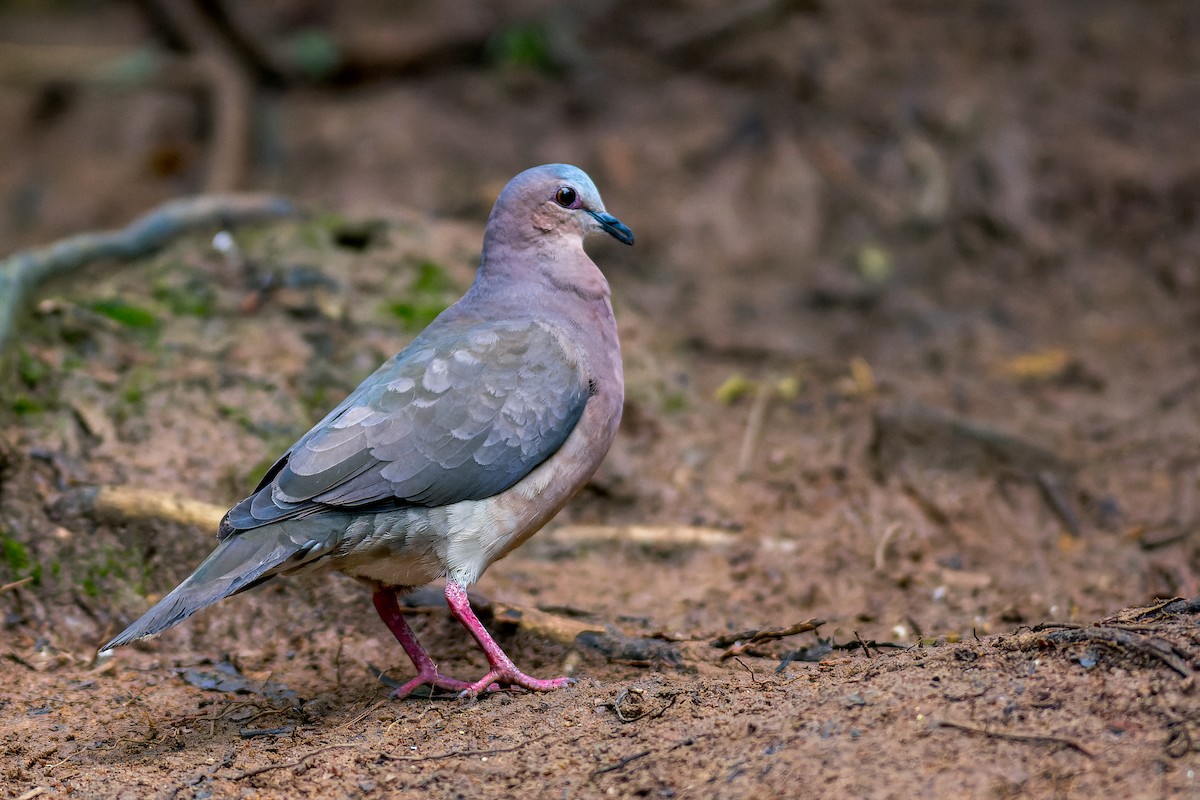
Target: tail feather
x=238, y=563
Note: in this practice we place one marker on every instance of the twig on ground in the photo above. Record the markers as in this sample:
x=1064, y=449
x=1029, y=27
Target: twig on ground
x=129, y=504
x=1123, y=641
x=690, y=42
x=543, y=624
x=754, y=428
x=16, y=584
x=465, y=753
x=627, y=760
x=1121, y=633
x=881, y=546
x=360, y=717
x=250, y=773
x=739, y=642
x=1033, y=738
x=227, y=89
x=1173, y=606
x=653, y=535
x=1052, y=491
x=621, y=764
x=753, y=678
x=22, y=273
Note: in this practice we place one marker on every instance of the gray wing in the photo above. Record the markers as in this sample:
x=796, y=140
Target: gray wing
x=458, y=417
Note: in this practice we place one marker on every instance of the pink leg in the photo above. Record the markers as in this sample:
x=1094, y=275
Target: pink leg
x=427, y=671
x=503, y=671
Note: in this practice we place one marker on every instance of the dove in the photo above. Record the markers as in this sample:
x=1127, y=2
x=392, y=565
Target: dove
x=454, y=451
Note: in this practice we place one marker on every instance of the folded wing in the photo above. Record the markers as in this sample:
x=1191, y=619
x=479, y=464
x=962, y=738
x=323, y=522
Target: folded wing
x=460, y=417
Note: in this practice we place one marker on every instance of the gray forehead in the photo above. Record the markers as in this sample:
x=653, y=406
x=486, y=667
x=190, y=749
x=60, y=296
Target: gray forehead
x=572, y=175
x=567, y=175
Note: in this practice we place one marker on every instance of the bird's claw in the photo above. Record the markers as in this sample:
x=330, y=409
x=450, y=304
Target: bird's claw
x=434, y=680
x=513, y=679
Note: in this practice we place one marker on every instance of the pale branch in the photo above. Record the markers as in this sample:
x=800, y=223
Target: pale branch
x=22, y=273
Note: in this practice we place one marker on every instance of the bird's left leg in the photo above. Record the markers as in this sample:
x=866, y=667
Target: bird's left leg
x=504, y=671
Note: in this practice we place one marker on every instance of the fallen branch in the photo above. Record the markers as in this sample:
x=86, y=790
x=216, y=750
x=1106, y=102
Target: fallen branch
x=653, y=535
x=227, y=90
x=688, y=43
x=1121, y=641
x=1172, y=607
x=123, y=504
x=1034, y=738
x=754, y=429
x=543, y=624
x=22, y=273
x=16, y=584
x=1114, y=638
x=1053, y=493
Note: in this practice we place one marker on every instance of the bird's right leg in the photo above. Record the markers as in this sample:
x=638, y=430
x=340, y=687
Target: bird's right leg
x=427, y=672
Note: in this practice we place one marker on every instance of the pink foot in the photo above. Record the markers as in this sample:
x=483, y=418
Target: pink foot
x=504, y=672
x=427, y=671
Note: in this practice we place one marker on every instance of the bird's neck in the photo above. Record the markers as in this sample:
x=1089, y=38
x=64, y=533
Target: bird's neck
x=534, y=265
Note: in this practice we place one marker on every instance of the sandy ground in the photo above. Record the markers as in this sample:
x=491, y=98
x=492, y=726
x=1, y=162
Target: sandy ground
x=912, y=345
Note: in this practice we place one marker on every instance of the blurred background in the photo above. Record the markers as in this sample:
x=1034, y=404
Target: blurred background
x=911, y=333
x=901, y=267
x=783, y=162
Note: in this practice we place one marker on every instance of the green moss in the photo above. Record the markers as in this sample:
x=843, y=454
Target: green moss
x=195, y=297
x=316, y=400
x=431, y=279
x=32, y=370
x=24, y=404
x=14, y=554
x=126, y=314
x=17, y=560
x=134, y=390
x=109, y=565
x=674, y=402
x=238, y=416
x=430, y=292
x=317, y=233
x=415, y=316
x=131, y=396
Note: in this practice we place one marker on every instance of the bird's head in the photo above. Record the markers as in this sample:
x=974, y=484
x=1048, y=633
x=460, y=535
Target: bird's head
x=553, y=200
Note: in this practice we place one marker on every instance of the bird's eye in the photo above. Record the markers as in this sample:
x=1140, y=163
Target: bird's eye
x=565, y=197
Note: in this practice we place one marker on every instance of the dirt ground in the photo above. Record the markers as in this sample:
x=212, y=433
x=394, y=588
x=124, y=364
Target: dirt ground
x=912, y=342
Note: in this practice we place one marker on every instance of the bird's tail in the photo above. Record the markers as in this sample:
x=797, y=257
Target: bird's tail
x=239, y=562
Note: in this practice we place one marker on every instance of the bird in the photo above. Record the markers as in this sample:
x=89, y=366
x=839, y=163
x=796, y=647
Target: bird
x=455, y=450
